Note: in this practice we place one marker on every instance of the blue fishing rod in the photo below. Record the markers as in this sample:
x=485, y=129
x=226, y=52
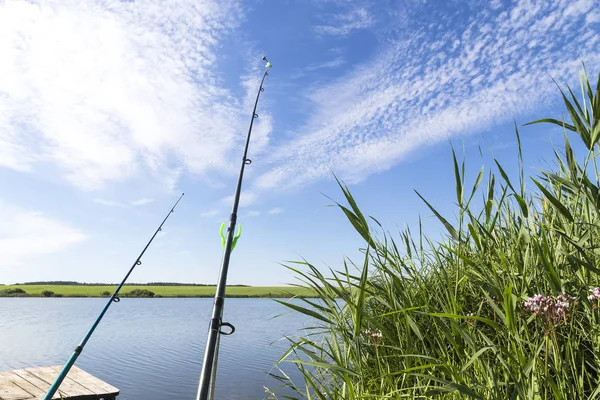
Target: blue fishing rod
x=113, y=298
x=209, y=364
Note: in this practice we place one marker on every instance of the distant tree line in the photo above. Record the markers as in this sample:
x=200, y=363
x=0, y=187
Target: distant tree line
x=73, y=283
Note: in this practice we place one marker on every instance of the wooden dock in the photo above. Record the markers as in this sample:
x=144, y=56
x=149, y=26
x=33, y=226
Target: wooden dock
x=33, y=383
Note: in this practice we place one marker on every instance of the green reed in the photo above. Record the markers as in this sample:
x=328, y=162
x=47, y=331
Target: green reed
x=457, y=318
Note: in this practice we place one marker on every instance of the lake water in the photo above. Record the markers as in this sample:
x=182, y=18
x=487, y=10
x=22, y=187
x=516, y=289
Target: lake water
x=150, y=349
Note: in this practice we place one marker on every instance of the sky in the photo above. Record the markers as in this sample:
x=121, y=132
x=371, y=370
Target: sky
x=109, y=110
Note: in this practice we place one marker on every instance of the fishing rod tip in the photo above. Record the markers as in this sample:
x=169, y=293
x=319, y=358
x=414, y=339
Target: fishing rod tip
x=268, y=62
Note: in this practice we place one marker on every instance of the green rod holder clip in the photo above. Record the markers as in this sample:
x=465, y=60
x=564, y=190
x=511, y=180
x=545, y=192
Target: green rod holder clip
x=235, y=238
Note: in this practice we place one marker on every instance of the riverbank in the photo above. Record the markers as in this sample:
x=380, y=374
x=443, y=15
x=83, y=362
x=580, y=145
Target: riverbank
x=151, y=291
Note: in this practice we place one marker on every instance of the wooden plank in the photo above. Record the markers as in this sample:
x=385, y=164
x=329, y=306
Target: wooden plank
x=33, y=383
x=89, y=381
x=33, y=390
x=68, y=386
x=10, y=391
x=41, y=384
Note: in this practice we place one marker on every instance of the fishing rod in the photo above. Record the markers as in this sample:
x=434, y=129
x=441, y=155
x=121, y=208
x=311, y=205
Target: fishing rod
x=209, y=364
x=113, y=298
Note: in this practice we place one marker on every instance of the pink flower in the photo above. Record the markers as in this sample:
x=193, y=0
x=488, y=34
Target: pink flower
x=552, y=309
x=595, y=294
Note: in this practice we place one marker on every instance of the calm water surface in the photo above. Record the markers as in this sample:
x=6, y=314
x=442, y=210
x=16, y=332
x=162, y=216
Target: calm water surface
x=150, y=349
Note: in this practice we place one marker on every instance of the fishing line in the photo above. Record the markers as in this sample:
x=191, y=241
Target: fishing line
x=114, y=298
x=209, y=364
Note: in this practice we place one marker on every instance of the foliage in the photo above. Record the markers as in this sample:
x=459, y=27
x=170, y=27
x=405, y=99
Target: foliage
x=13, y=292
x=140, y=293
x=506, y=307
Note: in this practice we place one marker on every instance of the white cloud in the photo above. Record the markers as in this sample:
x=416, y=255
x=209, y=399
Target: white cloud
x=209, y=213
x=432, y=85
x=126, y=95
x=253, y=213
x=345, y=23
x=246, y=199
x=109, y=203
x=108, y=90
x=142, y=201
x=25, y=235
x=276, y=210
x=495, y=4
x=336, y=62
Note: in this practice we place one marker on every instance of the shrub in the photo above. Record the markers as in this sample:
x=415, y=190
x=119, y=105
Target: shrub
x=140, y=293
x=47, y=293
x=13, y=292
x=106, y=293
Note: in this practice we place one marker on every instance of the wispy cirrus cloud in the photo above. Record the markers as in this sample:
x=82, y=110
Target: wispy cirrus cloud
x=344, y=23
x=134, y=203
x=108, y=90
x=276, y=210
x=326, y=65
x=25, y=235
x=142, y=201
x=453, y=75
x=336, y=62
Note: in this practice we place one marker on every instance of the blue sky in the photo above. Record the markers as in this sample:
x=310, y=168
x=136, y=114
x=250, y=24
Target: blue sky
x=110, y=109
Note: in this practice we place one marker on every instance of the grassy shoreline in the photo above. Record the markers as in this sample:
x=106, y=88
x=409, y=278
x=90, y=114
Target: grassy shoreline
x=158, y=291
